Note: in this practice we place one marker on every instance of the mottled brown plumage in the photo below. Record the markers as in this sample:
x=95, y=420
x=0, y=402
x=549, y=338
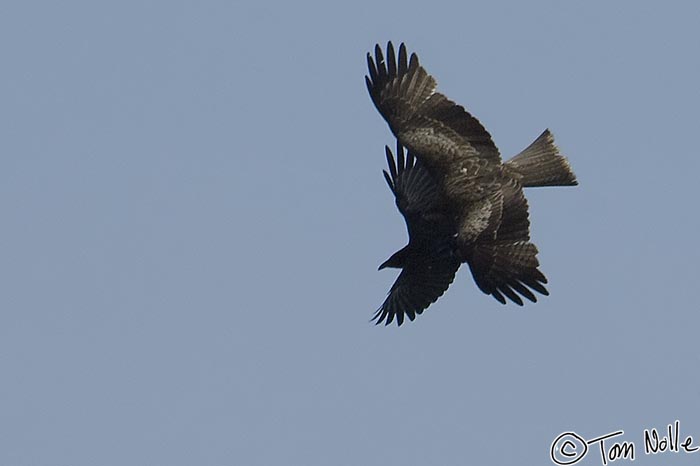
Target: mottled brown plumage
x=483, y=213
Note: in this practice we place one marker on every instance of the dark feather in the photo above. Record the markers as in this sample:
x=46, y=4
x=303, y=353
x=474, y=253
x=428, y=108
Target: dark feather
x=428, y=262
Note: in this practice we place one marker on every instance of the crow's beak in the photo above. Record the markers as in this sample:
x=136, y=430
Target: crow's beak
x=384, y=265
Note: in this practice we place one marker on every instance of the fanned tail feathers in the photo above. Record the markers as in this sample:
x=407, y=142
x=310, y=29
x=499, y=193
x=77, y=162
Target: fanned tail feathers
x=541, y=164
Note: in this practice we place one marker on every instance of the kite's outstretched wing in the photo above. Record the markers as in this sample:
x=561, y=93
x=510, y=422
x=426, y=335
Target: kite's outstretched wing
x=507, y=266
x=425, y=121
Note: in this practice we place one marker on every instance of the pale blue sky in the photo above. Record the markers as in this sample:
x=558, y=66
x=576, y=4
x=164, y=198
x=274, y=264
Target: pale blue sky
x=193, y=214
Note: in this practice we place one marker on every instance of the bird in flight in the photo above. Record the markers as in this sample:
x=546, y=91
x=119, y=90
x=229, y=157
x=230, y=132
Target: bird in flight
x=461, y=203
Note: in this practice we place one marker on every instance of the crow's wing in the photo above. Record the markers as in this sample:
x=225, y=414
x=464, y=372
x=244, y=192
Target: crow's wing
x=417, y=196
x=431, y=268
x=444, y=134
x=419, y=285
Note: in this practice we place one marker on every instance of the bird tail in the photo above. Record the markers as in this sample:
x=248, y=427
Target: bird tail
x=541, y=164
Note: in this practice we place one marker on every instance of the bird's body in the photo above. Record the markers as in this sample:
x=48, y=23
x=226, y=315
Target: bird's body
x=475, y=206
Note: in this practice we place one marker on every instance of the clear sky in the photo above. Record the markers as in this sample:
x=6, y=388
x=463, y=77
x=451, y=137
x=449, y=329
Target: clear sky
x=193, y=213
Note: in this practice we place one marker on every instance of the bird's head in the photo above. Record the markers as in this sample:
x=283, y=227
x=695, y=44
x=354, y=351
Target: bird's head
x=397, y=260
